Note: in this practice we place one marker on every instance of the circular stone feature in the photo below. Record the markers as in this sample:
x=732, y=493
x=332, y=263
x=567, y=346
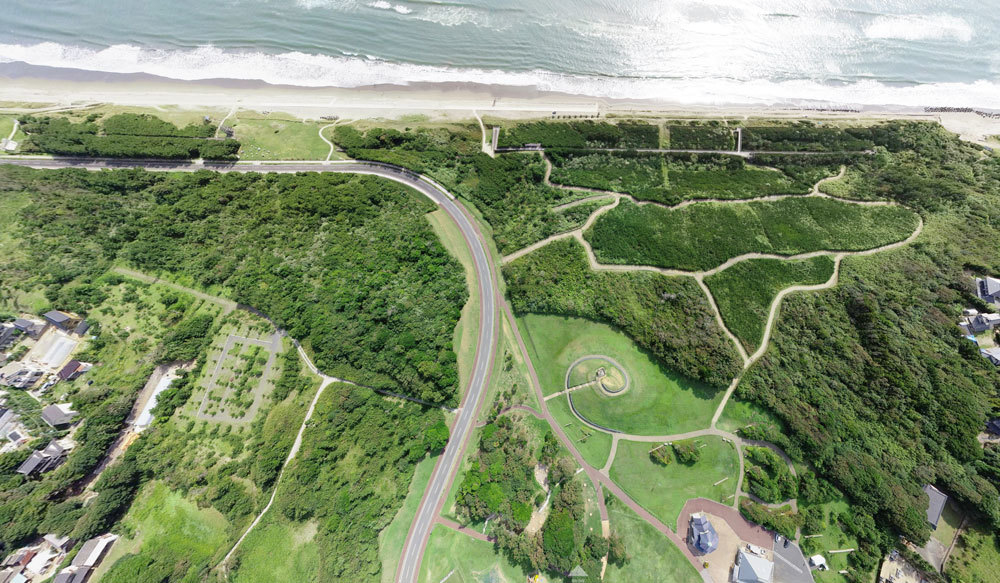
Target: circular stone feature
x=601, y=372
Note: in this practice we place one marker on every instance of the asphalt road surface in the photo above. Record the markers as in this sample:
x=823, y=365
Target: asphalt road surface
x=441, y=479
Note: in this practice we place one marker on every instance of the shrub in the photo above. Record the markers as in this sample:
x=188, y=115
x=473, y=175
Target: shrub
x=687, y=451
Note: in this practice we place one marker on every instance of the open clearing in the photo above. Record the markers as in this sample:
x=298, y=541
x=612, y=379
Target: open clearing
x=279, y=550
x=663, y=490
x=658, y=402
x=278, y=137
x=238, y=375
x=654, y=558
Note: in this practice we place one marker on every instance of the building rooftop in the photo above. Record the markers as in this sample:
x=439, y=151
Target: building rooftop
x=935, y=506
x=58, y=415
x=703, y=535
x=752, y=569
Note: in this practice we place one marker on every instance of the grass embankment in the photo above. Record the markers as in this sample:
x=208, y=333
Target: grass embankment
x=658, y=401
x=391, y=539
x=739, y=413
x=652, y=557
x=170, y=536
x=297, y=561
x=663, y=490
x=703, y=236
x=593, y=445
x=745, y=291
x=466, y=559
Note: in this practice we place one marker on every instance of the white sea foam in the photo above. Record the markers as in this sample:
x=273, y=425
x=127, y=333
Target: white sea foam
x=915, y=27
x=383, y=5
x=297, y=68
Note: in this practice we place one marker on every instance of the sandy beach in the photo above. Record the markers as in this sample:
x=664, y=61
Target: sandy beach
x=26, y=88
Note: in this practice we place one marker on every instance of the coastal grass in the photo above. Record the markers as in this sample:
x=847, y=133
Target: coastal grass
x=976, y=557
x=463, y=559
x=652, y=556
x=392, y=537
x=745, y=291
x=278, y=137
x=278, y=550
x=169, y=535
x=657, y=402
x=663, y=490
x=705, y=235
x=593, y=445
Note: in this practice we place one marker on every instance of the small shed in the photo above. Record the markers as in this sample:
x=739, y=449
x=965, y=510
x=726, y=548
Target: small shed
x=577, y=573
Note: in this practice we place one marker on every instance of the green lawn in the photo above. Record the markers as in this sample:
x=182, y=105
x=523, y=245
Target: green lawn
x=745, y=291
x=740, y=413
x=592, y=444
x=391, y=539
x=664, y=490
x=170, y=537
x=653, y=557
x=703, y=236
x=467, y=559
x=278, y=550
x=976, y=558
x=658, y=401
x=278, y=137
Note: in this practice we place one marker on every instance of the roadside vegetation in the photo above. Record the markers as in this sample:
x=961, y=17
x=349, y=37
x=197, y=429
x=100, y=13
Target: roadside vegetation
x=125, y=135
x=668, y=316
x=582, y=134
x=700, y=136
x=703, y=236
x=744, y=292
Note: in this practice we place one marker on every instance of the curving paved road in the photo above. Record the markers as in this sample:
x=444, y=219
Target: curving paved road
x=444, y=470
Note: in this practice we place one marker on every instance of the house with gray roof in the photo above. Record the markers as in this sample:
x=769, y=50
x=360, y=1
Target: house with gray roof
x=991, y=354
x=988, y=289
x=65, y=321
x=978, y=323
x=72, y=575
x=43, y=460
x=32, y=328
x=752, y=569
x=59, y=416
x=702, y=534
x=935, y=504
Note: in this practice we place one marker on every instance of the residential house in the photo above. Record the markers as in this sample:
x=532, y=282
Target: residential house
x=8, y=336
x=60, y=543
x=991, y=354
x=91, y=552
x=977, y=323
x=81, y=328
x=32, y=328
x=13, y=575
x=750, y=568
x=993, y=426
x=22, y=379
x=935, y=505
x=73, y=369
x=43, y=460
x=702, y=535
x=59, y=416
x=72, y=575
x=988, y=289
x=65, y=321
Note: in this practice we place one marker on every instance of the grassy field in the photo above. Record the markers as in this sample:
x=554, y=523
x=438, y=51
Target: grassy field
x=703, y=236
x=745, y=291
x=951, y=519
x=657, y=402
x=664, y=490
x=467, y=330
x=278, y=137
x=976, y=558
x=466, y=559
x=278, y=550
x=653, y=557
x=593, y=445
x=168, y=534
x=739, y=414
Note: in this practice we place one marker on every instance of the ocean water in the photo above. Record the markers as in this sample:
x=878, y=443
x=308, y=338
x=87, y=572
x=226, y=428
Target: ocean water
x=825, y=52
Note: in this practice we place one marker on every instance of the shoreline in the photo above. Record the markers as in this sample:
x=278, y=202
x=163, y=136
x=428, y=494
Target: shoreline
x=22, y=85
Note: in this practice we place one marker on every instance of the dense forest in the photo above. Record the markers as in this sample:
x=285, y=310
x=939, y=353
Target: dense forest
x=347, y=264
x=126, y=135
x=872, y=379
